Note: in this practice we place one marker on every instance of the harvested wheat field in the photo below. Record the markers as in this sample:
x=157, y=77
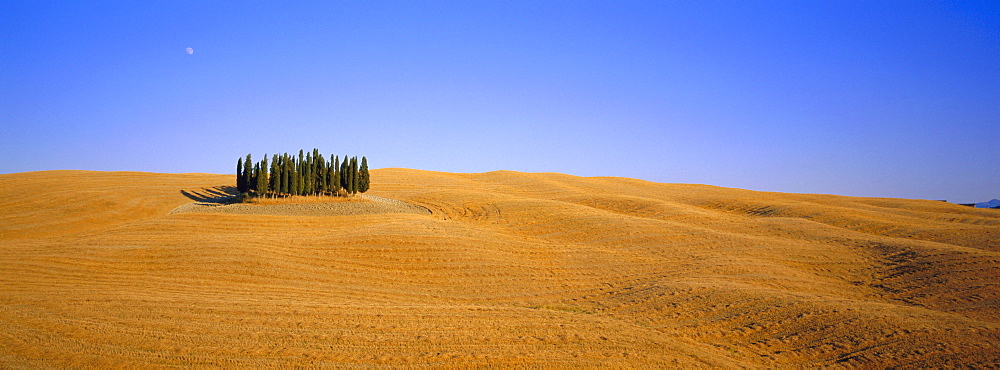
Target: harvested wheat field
x=499, y=268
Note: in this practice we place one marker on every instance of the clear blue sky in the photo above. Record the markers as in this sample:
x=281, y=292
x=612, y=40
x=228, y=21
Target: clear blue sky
x=880, y=98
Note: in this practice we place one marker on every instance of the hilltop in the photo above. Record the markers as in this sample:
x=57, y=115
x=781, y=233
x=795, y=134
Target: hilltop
x=498, y=268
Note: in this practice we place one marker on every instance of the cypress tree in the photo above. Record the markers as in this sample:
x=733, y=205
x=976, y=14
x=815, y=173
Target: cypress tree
x=308, y=181
x=294, y=188
x=326, y=175
x=348, y=181
x=315, y=174
x=297, y=174
x=327, y=184
x=275, y=175
x=286, y=175
x=247, y=174
x=260, y=179
x=285, y=180
x=345, y=176
x=289, y=174
x=299, y=179
x=239, y=175
x=321, y=178
x=302, y=176
x=314, y=169
x=279, y=174
x=263, y=181
x=363, y=180
x=335, y=176
x=254, y=173
x=354, y=175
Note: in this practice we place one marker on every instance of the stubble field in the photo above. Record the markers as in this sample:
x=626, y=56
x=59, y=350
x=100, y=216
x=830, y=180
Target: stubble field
x=507, y=268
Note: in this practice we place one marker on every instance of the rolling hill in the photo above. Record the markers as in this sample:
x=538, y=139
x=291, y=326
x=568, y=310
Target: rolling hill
x=504, y=268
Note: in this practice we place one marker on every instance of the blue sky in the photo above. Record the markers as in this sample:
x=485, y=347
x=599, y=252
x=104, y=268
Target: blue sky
x=881, y=98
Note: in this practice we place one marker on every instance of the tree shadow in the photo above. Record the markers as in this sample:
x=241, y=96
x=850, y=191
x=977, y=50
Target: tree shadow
x=218, y=195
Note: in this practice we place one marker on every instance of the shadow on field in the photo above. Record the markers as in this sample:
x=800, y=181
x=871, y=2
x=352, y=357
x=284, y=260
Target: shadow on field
x=217, y=195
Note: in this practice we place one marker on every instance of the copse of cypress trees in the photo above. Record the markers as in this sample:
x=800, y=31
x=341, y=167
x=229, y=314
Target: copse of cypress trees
x=309, y=174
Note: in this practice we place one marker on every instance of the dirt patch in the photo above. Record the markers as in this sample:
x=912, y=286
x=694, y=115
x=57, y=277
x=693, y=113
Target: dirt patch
x=367, y=205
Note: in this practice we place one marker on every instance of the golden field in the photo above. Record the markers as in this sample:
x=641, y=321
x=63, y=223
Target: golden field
x=508, y=269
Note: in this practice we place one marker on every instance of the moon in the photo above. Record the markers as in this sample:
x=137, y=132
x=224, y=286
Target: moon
x=189, y=51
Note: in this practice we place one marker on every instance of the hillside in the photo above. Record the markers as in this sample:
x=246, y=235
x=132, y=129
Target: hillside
x=96, y=269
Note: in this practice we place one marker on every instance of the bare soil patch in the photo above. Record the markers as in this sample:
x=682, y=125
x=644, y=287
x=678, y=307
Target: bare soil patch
x=362, y=205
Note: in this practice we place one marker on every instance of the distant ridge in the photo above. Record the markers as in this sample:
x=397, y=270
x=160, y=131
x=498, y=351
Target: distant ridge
x=995, y=203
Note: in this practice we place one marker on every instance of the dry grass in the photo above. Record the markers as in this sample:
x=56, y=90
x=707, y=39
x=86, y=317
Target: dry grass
x=510, y=269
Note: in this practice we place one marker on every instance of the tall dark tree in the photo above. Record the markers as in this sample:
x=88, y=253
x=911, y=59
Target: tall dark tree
x=345, y=168
x=295, y=176
x=335, y=176
x=286, y=175
x=363, y=179
x=275, y=184
x=263, y=180
x=324, y=178
x=314, y=175
x=294, y=166
x=247, y=174
x=300, y=179
x=254, y=172
x=240, y=187
x=302, y=176
x=314, y=169
x=328, y=172
x=279, y=174
x=307, y=184
x=347, y=179
x=354, y=175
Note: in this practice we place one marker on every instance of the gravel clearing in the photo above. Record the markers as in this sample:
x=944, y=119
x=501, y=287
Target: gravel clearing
x=374, y=205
